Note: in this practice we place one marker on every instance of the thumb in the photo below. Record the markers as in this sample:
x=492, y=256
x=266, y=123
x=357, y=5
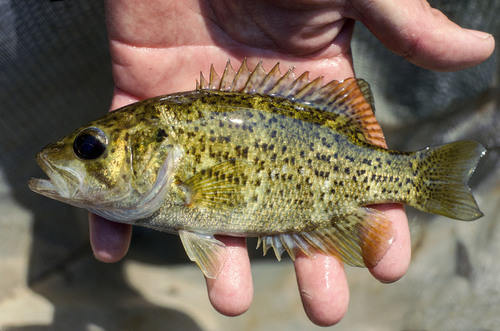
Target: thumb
x=423, y=35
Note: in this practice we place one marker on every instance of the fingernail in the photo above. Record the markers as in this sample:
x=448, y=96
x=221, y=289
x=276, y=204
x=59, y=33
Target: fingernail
x=480, y=34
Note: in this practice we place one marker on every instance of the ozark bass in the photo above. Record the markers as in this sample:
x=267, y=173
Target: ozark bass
x=251, y=153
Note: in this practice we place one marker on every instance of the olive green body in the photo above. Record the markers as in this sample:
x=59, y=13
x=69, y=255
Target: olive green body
x=296, y=168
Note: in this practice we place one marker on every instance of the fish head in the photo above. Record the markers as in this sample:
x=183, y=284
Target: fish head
x=117, y=169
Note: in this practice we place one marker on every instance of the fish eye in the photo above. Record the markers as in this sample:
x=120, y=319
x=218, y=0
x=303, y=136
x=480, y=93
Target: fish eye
x=90, y=143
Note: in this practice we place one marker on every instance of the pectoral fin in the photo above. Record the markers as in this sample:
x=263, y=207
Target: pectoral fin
x=359, y=239
x=208, y=253
x=220, y=186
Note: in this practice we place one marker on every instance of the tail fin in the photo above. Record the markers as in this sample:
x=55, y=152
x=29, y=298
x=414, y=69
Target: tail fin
x=443, y=174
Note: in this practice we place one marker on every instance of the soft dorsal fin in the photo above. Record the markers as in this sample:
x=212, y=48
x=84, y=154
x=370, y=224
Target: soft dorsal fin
x=351, y=97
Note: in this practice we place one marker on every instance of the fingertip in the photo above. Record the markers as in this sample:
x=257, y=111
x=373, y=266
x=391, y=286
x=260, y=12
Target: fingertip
x=323, y=288
x=480, y=34
x=424, y=35
x=396, y=261
x=445, y=46
x=486, y=42
x=231, y=293
x=450, y=54
x=109, y=240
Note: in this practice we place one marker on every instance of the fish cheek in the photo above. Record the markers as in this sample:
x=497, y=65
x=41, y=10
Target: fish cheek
x=110, y=172
x=149, y=154
x=100, y=177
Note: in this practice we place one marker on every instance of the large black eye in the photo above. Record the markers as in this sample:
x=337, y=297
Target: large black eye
x=90, y=144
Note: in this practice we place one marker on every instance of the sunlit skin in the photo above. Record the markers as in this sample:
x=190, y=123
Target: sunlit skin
x=159, y=47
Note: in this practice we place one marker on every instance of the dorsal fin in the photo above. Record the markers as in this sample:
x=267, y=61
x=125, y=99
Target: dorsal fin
x=351, y=97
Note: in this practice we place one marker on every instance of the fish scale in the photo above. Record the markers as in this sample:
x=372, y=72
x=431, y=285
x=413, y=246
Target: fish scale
x=289, y=160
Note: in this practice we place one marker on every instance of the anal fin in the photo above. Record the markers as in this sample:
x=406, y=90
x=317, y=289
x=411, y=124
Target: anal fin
x=208, y=253
x=359, y=239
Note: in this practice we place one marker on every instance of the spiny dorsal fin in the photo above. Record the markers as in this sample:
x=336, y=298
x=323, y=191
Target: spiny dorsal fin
x=351, y=97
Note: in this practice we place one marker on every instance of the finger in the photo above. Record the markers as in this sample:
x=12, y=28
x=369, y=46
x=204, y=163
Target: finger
x=121, y=98
x=423, y=35
x=395, y=262
x=109, y=240
x=323, y=288
x=232, y=292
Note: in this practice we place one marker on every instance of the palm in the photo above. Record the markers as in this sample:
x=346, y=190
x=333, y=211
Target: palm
x=158, y=55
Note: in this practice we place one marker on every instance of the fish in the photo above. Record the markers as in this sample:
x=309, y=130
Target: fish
x=292, y=161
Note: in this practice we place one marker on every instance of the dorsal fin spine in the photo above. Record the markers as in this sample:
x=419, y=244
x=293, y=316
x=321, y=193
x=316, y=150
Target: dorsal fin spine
x=203, y=84
x=228, y=69
x=269, y=79
x=249, y=86
x=214, y=79
x=242, y=68
x=277, y=89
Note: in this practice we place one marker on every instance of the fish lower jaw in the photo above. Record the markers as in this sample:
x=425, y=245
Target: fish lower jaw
x=62, y=182
x=49, y=188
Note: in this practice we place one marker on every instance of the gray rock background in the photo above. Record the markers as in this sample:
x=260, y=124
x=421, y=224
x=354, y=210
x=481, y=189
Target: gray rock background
x=55, y=75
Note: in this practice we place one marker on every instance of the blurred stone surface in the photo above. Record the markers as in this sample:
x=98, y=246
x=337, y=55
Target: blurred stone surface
x=55, y=75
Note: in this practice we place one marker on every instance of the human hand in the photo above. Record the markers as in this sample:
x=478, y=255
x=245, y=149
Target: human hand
x=160, y=46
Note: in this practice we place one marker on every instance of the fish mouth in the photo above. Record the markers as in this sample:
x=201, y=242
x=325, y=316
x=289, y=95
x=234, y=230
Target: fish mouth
x=61, y=183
